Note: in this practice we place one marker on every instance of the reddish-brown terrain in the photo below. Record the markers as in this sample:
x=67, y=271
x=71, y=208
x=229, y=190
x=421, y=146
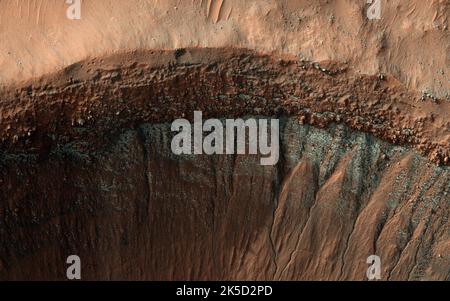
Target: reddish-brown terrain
x=86, y=166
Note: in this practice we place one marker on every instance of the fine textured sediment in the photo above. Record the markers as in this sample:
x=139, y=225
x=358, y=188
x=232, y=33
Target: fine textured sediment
x=410, y=40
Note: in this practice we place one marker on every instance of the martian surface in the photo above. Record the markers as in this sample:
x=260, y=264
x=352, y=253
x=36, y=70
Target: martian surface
x=90, y=91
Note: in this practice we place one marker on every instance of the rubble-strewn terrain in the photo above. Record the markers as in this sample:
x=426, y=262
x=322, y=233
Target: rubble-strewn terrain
x=98, y=96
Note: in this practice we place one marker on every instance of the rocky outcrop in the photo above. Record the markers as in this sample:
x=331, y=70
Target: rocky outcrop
x=133, y=210
x=107, y=94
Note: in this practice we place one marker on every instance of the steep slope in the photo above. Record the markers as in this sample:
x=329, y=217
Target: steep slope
x=136, y=211
x=106, y=94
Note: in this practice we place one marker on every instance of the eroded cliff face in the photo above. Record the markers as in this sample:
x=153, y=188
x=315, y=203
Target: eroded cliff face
x=133, y=210
x=104, y=95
